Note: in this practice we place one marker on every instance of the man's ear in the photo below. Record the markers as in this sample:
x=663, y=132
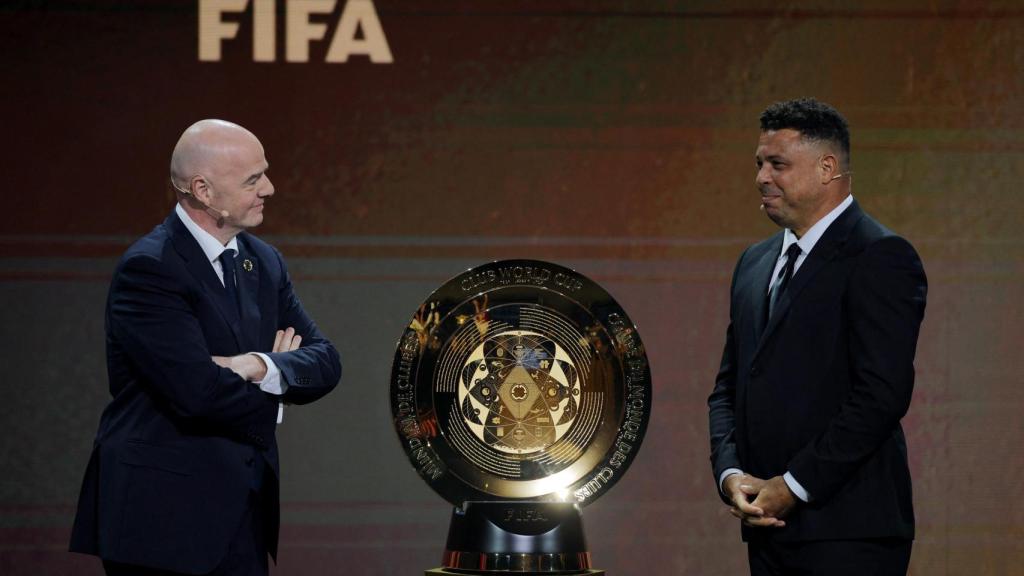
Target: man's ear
x=828, y=168
x=200, y=189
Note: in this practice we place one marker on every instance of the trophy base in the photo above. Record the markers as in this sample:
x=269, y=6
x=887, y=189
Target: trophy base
x=516, y=537
x=448, y=572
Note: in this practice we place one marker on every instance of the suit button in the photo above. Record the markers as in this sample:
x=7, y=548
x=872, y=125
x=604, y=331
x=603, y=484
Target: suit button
x=755, y=371
x=249, y=461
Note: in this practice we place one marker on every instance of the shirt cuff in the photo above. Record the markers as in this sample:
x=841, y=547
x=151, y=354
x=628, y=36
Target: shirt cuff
x=725, y=474
x=795, y=486
x=272, y=383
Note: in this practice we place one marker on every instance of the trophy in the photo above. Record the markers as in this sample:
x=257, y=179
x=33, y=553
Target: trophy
x=520, y=392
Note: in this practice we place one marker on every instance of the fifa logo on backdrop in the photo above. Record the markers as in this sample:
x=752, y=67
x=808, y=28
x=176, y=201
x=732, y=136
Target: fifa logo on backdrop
x=356, y=16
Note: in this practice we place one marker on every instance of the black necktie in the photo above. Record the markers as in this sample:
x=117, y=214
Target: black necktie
x=784, y=276
x=227, y=263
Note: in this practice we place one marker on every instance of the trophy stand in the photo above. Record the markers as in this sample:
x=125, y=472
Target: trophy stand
x=485, y=538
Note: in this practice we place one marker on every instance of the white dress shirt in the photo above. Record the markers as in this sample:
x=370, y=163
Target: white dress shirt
x=212, y=249
x=806, y=243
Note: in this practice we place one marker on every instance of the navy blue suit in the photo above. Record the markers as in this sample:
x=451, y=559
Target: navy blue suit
x=819, y=390
x=184, y=442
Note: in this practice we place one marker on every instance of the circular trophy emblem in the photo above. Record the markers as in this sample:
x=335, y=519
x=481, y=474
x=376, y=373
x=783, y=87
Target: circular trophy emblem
x=520, y=380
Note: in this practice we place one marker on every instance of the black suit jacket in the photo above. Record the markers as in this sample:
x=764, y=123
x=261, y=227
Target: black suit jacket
x=183, y=440
x=819, y=390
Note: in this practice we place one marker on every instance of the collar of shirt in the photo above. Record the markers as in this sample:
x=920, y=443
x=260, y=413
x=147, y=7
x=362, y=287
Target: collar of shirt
x=212, y=247
x=814, y=233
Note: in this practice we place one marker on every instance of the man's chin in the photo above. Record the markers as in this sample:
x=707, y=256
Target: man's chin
x=254, y=220
x=776, y=217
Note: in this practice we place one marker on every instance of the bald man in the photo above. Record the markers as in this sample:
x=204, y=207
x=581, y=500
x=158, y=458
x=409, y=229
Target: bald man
x=206, y=341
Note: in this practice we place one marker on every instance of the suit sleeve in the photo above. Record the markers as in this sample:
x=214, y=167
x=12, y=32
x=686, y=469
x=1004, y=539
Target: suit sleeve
x=722, y=404
x=885, y=304
x=152, y=322
x=314, y=369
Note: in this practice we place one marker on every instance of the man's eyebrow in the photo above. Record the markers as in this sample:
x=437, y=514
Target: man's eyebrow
x=254, y=177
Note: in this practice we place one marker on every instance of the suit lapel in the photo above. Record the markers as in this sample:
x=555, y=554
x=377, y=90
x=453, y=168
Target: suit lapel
x=825, y=250
x=248, y=293
x=201, y=269
x=762, y=277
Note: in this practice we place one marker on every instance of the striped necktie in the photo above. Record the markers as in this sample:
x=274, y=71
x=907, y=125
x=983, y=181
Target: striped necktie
x=785, y=274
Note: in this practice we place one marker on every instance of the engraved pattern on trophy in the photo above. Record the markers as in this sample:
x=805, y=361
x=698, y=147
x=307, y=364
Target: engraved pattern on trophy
x=518, y=392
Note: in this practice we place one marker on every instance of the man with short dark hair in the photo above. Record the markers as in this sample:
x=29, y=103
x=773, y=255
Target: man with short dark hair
x=818, y=367
x=205, y=341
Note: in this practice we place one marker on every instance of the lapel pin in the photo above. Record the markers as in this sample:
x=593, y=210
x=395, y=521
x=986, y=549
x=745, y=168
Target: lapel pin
x=247, y=265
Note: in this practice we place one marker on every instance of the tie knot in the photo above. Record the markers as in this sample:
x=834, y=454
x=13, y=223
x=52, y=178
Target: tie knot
x=793, y=252
x=227, y=257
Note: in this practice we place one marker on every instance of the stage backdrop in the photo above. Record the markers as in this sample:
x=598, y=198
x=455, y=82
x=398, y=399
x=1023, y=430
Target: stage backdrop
x=409, y=140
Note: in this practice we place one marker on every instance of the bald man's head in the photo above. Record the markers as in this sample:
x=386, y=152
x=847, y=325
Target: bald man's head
x=204, y=148
x=219, y=170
